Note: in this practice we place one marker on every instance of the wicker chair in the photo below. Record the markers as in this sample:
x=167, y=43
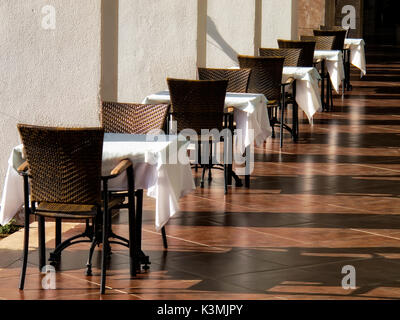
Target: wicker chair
x=321, y=42
x=340, y=35
x=266, y=78
x=307, y=54
x=291, y=55
x=197, y=105
x=238, y=79
x=62, y=179
x=335, y=28
x=134, y=118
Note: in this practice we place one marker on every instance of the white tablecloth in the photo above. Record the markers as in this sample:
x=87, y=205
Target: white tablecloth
x=250, y=115
x=334, y=64
x=308, y=95
x=164, y=181
x=357, y=54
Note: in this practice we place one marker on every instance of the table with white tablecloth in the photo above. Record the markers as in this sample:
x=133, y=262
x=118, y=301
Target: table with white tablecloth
x=308, y=96
x=357, y=54
x=334, y=65
x=165, y=180
x=250, y=114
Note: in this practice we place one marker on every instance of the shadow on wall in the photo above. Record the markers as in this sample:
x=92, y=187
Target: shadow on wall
x=224, y=46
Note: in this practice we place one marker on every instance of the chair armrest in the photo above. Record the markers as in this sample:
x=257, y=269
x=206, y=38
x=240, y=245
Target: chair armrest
x=121, y=167
x=23, y=168
x=288, y=82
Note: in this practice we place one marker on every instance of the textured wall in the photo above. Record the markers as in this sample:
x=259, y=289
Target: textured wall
x=311, y=14
x=230, y=31
x=157, y=39
x=48, y=77
x=279, y=21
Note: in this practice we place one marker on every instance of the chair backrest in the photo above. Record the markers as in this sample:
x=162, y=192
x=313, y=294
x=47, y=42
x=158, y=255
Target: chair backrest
x=335, y=28
x=198, y=104
x=321, y=42
x=238, y=79
x=64, y=163
x=339, y=35
x=307, y=54
x=291, y=55
x=266, y=75
x=117, y=117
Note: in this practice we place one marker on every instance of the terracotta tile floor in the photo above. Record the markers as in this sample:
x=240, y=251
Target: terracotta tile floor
x=332, y=199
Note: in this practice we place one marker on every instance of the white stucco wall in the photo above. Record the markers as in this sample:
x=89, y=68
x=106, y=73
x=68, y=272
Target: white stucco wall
x=48, y=77
x=157, y=39
x=279, y=21
x=230, y=31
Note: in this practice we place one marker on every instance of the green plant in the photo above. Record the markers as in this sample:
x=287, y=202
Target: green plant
x=9, y=228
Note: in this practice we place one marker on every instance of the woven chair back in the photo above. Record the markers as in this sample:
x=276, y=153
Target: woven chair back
x=266, y=75
x=238, y=79
x=198, y=104
x=340, y=35
x=117, y=117
x=307, y=54
x=64, y=163
x=291, y=55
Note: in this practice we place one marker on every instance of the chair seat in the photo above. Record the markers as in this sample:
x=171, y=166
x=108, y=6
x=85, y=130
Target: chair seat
x=72, y=211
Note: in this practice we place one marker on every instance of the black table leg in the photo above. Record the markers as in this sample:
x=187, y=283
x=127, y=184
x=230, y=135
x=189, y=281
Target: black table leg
x=142, y=258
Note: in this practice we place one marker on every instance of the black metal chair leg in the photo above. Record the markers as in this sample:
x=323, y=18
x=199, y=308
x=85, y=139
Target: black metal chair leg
x=26, y=235
x=281, y=125
x=202, y=176
x=25, y=257
x=133, y=251
x=42, y=243
x=247, y=168
x=105, y=240
x=271, y=121
x=89, y=262
x=164, y=237
x=226, y=172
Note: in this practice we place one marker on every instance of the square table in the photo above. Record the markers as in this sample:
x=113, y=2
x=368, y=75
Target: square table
x=164, y=180
x=308, y=95
x=250, y=114
x=334, y=64
x=357, y=54
x=251, y=117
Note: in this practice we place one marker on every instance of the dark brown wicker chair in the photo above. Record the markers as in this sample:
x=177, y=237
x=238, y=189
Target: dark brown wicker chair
x=307, y=54
x=321, y=42
x=62, y=179
x=266, y=78
x=238, y=79
x=335, y=28
x=197, y=105
x=340, y=35
x=117, y=117
x=133, y=118
x=291, y=55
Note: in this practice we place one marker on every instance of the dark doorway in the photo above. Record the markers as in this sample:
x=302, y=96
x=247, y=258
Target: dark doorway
x=381, y=22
